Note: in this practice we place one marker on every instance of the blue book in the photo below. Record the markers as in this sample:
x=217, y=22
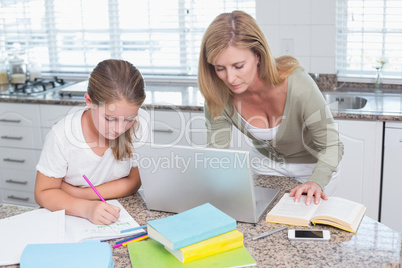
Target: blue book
x=190, y=226
x=90, y=253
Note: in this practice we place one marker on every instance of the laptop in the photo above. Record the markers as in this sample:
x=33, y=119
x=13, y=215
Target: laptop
x=178, y=178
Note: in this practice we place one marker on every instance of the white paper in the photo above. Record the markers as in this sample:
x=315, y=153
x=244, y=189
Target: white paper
x=79, y=229
x=34, y=227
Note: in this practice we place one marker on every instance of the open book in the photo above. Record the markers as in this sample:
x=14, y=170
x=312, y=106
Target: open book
x=338, y=212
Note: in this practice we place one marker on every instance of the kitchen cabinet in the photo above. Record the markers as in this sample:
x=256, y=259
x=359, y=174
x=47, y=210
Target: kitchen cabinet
x=20, y=144
x=391, y=210
x=199, y=134
x=360, y=169
x=51, y=114
x=23, y=128
x=169, y=126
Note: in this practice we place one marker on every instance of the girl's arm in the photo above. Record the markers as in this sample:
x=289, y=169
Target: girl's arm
x=49, y=194
x=114, y=189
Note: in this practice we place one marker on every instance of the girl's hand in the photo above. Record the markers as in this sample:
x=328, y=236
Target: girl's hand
x=102, y=213
x=312, y=189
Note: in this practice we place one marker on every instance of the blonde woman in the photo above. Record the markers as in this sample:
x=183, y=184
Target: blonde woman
x=271, y=100
x=96, y=141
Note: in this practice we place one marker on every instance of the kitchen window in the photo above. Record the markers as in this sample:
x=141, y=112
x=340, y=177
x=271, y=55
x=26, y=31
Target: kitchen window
x=160, y=37
x=369, y=31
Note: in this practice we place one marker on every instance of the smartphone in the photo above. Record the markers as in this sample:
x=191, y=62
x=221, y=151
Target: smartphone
x=318, y=235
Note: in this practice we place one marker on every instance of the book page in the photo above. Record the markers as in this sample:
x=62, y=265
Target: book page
x=339, y=208
x=79, y=229
x=287, y=207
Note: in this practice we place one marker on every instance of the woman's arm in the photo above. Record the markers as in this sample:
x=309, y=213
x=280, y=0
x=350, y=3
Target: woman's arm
x=114, y=189
x=319, y=122
x=49, y=194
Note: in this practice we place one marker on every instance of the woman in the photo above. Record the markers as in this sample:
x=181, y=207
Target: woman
x=96, y=141
x=272, y=101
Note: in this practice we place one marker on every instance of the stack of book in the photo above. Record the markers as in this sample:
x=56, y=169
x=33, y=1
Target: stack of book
x=201, y=236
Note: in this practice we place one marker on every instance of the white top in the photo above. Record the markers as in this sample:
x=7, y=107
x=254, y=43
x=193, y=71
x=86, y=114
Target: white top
x=265, y=134
x=66, y=154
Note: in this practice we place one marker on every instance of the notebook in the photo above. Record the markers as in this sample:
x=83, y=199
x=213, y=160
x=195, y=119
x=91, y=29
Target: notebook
x=178, y=178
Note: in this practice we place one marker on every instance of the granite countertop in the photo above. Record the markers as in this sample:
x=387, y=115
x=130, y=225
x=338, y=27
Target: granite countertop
x=381, y=107
x=374, y=244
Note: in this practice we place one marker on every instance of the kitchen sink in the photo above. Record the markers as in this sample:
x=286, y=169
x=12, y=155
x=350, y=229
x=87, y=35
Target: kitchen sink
x=344, y=102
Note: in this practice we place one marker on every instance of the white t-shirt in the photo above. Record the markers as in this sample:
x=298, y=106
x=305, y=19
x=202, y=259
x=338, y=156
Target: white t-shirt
x=66, y=154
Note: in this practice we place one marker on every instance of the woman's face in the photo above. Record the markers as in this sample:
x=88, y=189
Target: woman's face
x=113, y=119
x=237, y=68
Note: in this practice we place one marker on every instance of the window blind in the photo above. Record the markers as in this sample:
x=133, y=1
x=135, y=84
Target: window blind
x=369, y=31
x=160, y=37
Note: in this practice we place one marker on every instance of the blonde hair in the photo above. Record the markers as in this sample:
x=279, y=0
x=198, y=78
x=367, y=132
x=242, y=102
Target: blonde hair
x=115, y=80
x=240, y=30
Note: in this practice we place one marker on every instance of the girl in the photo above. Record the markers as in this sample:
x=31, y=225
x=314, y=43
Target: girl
x=272, y=101
x=96, y=142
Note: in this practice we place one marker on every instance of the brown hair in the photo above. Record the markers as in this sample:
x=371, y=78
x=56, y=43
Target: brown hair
x=115, y=80
x=240, y=30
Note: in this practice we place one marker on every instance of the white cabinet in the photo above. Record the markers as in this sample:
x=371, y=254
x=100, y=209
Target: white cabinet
x=23, y=128
x=51, y=114
x=198, y=131
x=170, y=127
x=360, y=169
x=20, y=144
x=391, y=209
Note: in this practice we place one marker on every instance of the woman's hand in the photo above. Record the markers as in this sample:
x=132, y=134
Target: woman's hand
x=99, y=212
x=312, y=189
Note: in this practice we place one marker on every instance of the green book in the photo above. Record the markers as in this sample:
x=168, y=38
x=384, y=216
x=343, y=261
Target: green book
x=151, y=253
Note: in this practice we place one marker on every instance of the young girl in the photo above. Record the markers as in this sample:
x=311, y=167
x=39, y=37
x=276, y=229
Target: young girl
x=95, y=141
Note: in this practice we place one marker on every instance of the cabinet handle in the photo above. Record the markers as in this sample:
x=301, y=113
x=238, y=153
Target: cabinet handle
x=14, y=160
x=16, y=182
x=18, y=198
x=10, y=120
x=163, y=130
x=11, y=138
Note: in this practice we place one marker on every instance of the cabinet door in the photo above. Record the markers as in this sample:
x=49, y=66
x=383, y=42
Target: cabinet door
x=16, y=114
x=18, y=159
x=51, y=114
x=170, y=127
x=21, y=137
x=199, y=134
x=360, y=169
x=391, y=210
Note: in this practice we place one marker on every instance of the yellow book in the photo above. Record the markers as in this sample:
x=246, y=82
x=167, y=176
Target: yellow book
x=336, y=211
x=208, y=247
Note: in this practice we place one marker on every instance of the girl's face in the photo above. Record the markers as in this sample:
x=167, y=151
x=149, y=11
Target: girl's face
x=113, y=119
x=237, y=68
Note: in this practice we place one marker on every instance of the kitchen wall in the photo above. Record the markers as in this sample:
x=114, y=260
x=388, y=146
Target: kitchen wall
x=301, y=28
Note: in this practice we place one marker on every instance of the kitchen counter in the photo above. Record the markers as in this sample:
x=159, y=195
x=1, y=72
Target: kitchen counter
x=381, y=107
x=374, y=244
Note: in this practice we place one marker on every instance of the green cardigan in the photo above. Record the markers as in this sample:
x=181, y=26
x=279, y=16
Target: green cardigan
x=307, y=133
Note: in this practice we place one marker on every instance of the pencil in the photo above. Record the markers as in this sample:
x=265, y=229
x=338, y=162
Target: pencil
x=93, y=188
x=130, y=238
x=136, y=240
x=133, y=229
x=144, y=236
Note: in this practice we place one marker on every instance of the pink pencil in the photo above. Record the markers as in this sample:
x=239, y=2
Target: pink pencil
x=93, y=188
x=133, y=240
